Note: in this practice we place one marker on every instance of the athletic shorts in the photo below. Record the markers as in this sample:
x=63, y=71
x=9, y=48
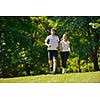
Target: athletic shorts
x=51, y=54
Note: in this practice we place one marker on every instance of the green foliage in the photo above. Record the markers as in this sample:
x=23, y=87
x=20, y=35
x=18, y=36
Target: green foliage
x=22, y=49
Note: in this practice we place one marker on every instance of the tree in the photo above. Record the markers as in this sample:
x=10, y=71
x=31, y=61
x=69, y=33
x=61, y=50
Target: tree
x=22, y=48
x=84, y=39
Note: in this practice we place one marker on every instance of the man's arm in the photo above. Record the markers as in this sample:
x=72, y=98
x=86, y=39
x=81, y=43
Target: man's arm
x=47, y=41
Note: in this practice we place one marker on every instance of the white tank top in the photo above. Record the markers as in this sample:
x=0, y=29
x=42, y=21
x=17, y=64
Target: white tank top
x=65, y=46
x=53, y=41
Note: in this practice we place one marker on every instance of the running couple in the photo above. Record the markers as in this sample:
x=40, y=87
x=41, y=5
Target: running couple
x=52, y=41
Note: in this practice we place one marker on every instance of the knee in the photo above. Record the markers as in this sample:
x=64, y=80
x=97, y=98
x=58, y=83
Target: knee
x=54, y=59
x=50, y=61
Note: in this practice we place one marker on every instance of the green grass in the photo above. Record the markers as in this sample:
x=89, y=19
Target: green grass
x=88, y=77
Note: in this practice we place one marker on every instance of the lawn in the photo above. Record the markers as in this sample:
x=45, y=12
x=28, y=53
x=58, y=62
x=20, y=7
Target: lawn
x=87, y=77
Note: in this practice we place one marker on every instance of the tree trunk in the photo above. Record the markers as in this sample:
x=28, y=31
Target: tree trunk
x=79, y=64
x=96, y=66
x=95, y=60
x=96, y=48
x=87, y=65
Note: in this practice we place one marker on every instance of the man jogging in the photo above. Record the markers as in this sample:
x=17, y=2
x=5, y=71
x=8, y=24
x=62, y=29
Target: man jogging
x=52, y=42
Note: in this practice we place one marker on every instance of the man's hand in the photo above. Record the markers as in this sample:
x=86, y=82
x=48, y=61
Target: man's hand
x=49, y=45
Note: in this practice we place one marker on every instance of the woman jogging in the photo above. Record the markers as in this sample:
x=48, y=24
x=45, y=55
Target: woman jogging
x=64, y=52
x=52, y=42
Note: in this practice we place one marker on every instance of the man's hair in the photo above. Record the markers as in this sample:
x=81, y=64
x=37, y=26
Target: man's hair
x=53, y=29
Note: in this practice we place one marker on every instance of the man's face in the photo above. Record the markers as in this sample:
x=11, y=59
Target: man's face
x=53, y=32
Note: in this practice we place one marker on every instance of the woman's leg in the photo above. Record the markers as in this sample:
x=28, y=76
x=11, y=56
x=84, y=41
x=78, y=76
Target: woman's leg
x=63, y=62
x=64, y=56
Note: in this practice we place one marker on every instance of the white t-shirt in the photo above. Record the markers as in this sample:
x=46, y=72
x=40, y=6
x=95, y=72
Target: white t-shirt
x=53, y=41
x=65, y=46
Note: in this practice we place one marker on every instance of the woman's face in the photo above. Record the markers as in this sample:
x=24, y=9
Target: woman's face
x=64, y=37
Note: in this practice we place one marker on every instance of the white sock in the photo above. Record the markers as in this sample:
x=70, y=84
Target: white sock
x=54, y=66
x=63, y=70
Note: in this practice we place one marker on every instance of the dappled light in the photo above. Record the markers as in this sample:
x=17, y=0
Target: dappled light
x=23, y=51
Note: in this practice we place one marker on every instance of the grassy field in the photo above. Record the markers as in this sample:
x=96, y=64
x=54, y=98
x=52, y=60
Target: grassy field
x=88, y=77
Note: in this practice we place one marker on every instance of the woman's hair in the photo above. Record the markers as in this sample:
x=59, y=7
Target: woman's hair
x=64, y=34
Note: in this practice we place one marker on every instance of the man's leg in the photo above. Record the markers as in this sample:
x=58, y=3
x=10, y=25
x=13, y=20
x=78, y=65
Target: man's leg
x=54, y=60
x=54, y=64
x=50, y=63
x=50, y=60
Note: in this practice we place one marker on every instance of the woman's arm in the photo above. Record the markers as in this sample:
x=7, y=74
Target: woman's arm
x=68, y=46
x=60, y=45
